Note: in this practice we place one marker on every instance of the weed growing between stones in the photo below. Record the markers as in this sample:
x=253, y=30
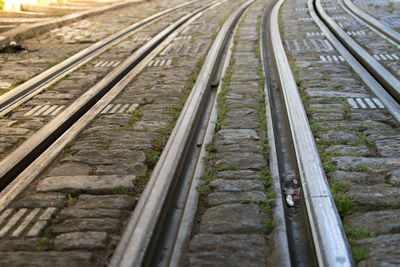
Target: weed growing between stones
x=71, y=200
x=354, y=235
x=139, y=183
x=344, y=203
x=42, y=244
x=152, y=157
x=136, y=116
x=267, y=205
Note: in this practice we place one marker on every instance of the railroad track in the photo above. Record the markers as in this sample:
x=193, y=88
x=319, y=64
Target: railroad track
x=159, y=230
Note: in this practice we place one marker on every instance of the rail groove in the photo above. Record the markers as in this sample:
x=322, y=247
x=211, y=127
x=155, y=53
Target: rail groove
x=27, y=90
x=16, y=170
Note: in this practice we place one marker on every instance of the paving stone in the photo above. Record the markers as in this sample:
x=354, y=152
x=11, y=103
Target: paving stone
x=221, y=185
x=70, y=169
x=219, y=198
x=355, y=177
x=372, y=164
x=81, y=240
x=327, y=107
x=228, y=249
x=236, y=134
x=327, y=116
x=239, y=174
x=245, y=160
x=357, y=125
x=78, y=225
x=388, y=147
x=47, y=258
x=312, y=93
x=42, y=201
x=394, y=178
x=73, y=213
x=14, y=131
x=376, y=196
x=105, y=202
x=233, y=218
x=336, y=136
x=379, y=222
x=26, y=244
x=244, y=145
x=88, y=183
x=231, y=122
x=376, y=115
x=382, y=248
x=106, y=157
x=360, y=150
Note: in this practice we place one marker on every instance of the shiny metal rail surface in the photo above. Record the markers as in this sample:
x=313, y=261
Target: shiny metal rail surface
x=376, y=24
x=35, y=85
x=49, y=140
x=388, y=80
x=149, y=215
x=357, y=66
x=322, y=214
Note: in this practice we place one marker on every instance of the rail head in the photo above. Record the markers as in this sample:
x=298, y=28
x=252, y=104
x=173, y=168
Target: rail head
x=134, y=242
x=387, y=79
x=379, y=26
x=328, y=234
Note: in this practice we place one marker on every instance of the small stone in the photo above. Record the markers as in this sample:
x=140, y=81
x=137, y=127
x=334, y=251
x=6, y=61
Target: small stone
x=233, y=218
x=379, y=222
x=219, y=198
x=42, y=201
x=382, y=247
x=394, y=178
x=376, y=196
x=47, y=258
x=341, y=137
x=74, y=213
x=371, y=164
x=355, y=177
x=360, y=150
x=88, y=183
x=78, y=225
x=70, y=169
x=245, y=160
x=105, y=202
x=239, y=174
x=239, y=134
x=81, y=240
x=221, y=185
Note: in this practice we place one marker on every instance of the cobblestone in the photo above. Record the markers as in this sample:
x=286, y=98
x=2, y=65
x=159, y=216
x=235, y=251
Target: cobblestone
x=79, y=240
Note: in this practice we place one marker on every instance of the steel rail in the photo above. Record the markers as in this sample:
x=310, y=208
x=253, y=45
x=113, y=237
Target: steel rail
x=381, y=74
x=377, y=88
x=281, y=241
x=28, y=89
x=143, y=229
x=26, y=153
x=328, y=235
x=371, y=21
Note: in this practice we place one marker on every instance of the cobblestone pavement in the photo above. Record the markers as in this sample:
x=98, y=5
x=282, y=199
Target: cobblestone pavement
x=383, y=51
x=26, y=119
x=358, y=140
x=235, y=206
x=43, y=51
x=75, y=212
x=387, y=11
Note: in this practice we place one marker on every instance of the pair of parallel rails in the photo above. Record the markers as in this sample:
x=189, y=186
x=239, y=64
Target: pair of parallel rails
x=150, y=230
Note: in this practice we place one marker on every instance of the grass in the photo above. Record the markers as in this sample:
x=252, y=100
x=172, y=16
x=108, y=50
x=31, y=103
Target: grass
x=152, y=157
x=359, y=253
x=136, y=116
x=139, y=183
x=344, y=203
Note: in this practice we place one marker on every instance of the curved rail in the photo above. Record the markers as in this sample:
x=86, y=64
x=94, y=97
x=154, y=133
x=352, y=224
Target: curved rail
x=328, y=235
x=46, y=143
x=35, y=85
x=388, y=80
x=375, y=86
x=371, y=21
